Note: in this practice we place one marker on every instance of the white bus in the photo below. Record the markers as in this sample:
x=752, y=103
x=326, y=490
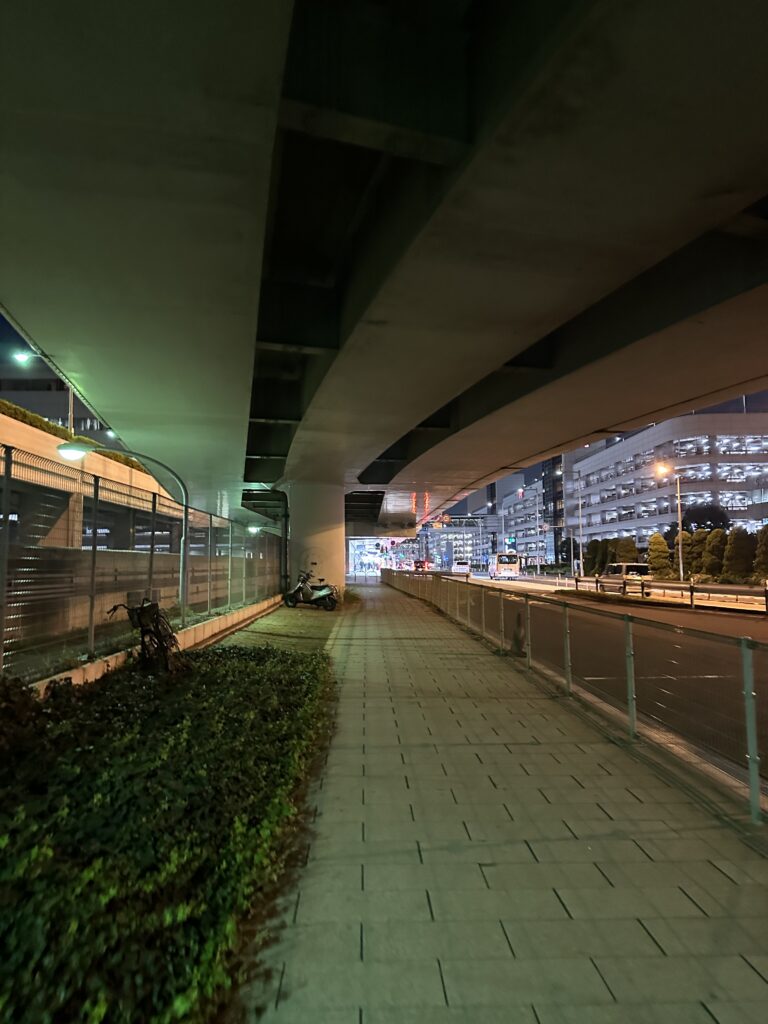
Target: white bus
x=504, y=567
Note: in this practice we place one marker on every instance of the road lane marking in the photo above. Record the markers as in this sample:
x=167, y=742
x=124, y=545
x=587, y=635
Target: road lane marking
x=604, y=679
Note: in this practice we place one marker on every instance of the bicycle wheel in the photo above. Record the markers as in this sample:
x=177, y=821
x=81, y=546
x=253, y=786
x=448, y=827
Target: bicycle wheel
x=164, y=631
x=154, y=653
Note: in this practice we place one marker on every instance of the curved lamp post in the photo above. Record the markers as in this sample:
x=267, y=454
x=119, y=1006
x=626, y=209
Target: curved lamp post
x=73, y=451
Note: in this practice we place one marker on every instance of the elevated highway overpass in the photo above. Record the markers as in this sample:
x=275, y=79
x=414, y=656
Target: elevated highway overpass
x=380, y=253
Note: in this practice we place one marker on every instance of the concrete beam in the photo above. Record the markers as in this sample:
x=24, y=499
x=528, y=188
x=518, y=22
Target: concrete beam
x=396, y=140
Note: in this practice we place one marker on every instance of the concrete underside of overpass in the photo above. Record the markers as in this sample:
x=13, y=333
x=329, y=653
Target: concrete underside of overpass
x=388, y=248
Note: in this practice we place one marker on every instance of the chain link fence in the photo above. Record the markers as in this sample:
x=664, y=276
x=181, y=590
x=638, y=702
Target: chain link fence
x=72, y=545
x=673, y=683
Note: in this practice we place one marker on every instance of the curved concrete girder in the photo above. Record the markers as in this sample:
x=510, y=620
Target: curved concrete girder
x=136, y=154
x=601, y=165
x=713, y=269
x=704, y=359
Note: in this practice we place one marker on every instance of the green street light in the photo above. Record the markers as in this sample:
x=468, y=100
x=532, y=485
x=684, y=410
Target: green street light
x=73, y=451
x=23, y=357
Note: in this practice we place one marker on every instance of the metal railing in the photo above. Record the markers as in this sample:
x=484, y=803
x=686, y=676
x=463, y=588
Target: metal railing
x=666, y=681
x=72, y=545
x=695, y=595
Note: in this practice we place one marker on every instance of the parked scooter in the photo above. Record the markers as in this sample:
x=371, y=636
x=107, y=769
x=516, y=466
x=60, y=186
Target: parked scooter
x=321, y=595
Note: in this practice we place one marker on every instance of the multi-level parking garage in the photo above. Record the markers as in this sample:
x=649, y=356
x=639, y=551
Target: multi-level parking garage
x=721, y=459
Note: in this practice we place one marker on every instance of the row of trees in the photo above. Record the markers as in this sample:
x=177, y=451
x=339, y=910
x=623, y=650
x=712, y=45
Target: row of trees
x=717, y=555
x=734, y=556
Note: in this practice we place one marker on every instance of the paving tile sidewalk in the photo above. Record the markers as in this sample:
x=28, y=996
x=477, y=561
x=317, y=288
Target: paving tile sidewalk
x=483, y=855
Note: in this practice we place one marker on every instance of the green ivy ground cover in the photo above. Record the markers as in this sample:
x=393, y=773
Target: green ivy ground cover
x=140, y=816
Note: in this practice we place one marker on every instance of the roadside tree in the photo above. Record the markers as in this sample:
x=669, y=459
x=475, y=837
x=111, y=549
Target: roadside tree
x=626, y=550
x=714, y=550
x=761, y=555
x=659, y=562
x=706, y=516
x=590, y=557
x=695, y=563
x=686, y=543
x=739, y=557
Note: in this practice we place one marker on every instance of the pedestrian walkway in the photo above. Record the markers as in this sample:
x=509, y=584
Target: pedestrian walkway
x=483, y=854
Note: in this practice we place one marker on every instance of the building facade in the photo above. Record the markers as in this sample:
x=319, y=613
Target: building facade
x=525, y=525
x=721, y=458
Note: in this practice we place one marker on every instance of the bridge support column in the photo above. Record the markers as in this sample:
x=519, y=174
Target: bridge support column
x=316, y=532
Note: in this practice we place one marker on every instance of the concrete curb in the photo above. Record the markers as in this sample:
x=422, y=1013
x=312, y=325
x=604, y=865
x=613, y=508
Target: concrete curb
x=199, y=635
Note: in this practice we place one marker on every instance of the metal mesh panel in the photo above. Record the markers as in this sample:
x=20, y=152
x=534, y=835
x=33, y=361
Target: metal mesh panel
x=513, y=617
x=73, y=545
x=598, y=655
x=547, y=636
x=692, y=685
x=761, y=706
x=492, y=615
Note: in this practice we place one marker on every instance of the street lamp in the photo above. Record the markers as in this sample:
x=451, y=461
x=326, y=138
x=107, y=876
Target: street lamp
x=663, y=471
x=73, y=451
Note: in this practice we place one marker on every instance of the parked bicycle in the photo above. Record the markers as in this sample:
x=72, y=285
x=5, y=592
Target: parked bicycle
x=159, y=648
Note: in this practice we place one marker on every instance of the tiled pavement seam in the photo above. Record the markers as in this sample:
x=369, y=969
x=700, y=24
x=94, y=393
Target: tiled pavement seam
x=482, y=854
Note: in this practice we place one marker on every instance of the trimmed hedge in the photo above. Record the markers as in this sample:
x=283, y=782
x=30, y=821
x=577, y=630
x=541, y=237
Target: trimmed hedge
x=16, y=412
x=140, y=816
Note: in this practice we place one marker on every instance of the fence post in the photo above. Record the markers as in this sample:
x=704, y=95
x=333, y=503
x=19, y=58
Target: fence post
x=229, y=568
x=92, y=583
x=750, y=719
x=152, y=529
x=528, y=642
x=501, y=619
x=692, y=589
x=466, y=620
x=482, y=612
x=244, y=537
x=184, y=563
x=597, y=583
x=5, y=546
x=567, y=649
x=629, y=654
x=210, y=561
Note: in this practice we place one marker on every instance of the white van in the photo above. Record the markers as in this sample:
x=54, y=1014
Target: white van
x=460, y=565
x=504, y=566
x=626, y=570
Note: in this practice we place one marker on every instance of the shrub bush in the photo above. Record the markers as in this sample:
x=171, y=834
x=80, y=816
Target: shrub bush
x=659, y=563
x=16, y=412
x=739, y=555
x=141, y=815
